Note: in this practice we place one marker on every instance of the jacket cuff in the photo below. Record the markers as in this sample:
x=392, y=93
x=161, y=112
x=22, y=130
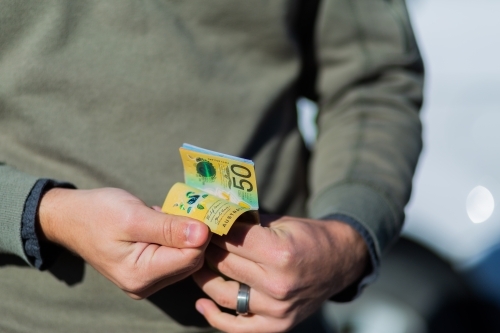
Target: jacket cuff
x=40, y=254
x=362, y=203
x=15, y=186
x=370, y=214
x=371, y=272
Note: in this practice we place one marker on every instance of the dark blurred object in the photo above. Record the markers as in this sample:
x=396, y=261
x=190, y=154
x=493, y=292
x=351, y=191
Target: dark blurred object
x=484, y=276
x=314, y=324
x=466, y=315
x=417, y=292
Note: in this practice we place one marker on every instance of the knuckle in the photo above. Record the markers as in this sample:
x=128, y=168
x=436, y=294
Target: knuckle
x=136, y=297
x=224, y=301
x=168, y=230
x=195, y=261
x=223, y=266
x=132, y=287
x=229, y=270
x=217, y=260
x=285, y=256
x=130, y=221
x=198, y=262
x=281, y=289
x=281, y=310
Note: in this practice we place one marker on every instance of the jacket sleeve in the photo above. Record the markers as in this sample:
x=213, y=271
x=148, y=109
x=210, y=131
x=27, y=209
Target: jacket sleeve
x=15, y=187
x=370, y=84
x=20, y=197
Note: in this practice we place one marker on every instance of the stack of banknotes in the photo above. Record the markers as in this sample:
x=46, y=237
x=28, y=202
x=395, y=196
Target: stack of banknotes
x=218, y=189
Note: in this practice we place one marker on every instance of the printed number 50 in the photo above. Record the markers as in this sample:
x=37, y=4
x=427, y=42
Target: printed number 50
x=245, y=174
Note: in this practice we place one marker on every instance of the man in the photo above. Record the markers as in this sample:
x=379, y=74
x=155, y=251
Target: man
x=100, y=94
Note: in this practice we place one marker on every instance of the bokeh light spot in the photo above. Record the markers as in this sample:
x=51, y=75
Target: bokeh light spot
x=480, y=204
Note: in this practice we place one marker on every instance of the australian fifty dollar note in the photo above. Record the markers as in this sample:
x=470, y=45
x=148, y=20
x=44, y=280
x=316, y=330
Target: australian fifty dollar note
x=219, y=189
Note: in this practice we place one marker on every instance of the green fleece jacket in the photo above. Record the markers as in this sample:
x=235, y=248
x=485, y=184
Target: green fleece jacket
x=103, y=92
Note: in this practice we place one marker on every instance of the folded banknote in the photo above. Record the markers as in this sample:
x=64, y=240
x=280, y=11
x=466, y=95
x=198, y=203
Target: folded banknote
x=219, y=189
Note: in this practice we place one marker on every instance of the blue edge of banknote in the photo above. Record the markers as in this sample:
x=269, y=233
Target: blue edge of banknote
x=215, y=153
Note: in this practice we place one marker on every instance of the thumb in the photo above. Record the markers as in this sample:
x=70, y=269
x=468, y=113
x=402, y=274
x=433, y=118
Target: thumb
x=167, y=230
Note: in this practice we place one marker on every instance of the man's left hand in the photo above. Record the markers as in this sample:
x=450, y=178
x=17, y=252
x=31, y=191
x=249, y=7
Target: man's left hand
x=292, y=266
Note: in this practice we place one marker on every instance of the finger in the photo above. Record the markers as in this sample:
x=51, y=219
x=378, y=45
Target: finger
x=158, y=286
x=153, y=263
x=167, y=260
x=238, y=324
x=245, y=240
x=237, y=268
x=150, y=226
x=157, y=208
x=251, y=241
x=225, y=293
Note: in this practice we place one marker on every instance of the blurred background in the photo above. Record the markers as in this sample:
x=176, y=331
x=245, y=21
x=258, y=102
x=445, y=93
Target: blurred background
x=452, y=209
x=444, y=275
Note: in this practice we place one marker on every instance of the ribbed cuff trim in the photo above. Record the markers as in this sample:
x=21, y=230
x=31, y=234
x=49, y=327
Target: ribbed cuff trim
x=40, y=254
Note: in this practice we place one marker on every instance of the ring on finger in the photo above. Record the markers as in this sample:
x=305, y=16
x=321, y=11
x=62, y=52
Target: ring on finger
x=243, y=299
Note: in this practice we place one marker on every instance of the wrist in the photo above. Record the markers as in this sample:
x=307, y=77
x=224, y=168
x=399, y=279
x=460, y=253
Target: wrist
x=353, y=250
x=371, y=271
x=51, y=207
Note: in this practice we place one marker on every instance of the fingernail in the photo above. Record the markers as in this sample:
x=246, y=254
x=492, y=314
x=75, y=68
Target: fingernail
x=192, y=233
x=200, y=309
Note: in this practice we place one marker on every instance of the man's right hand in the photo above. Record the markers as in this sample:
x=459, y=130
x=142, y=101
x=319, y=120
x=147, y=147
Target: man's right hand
x=138, y=248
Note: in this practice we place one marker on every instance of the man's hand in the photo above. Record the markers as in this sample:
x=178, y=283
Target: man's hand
x=292, y=267
x=138, y=248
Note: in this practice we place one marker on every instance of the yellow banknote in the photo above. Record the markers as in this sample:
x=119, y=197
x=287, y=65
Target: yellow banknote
x=227, y=177
x=218, y=214
x=219, y=189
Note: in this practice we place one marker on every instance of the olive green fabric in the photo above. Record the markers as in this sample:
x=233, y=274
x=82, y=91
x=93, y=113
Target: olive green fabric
x=369, y=128
x=17, y=185
x=102, y=93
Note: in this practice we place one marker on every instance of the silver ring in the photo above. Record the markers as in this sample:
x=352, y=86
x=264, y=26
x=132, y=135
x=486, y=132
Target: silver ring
x=243, y=299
